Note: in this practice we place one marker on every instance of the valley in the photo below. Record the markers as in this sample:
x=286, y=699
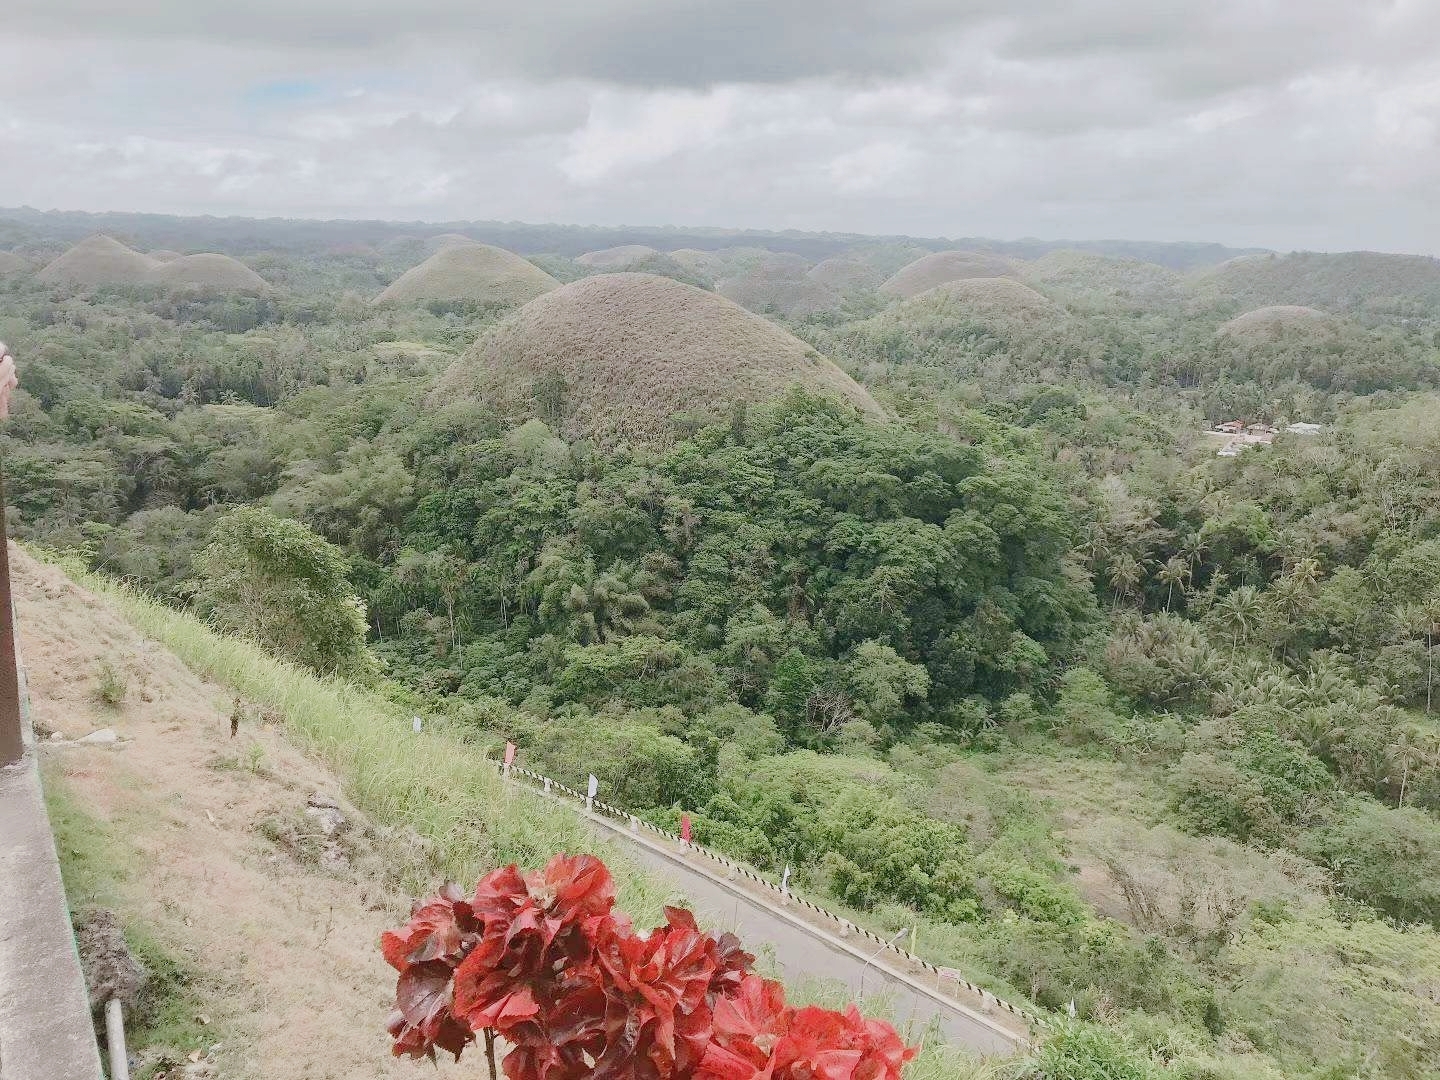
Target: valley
x=909, y=568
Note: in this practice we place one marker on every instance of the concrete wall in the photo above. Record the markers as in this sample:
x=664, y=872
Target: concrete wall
x=45, y=1028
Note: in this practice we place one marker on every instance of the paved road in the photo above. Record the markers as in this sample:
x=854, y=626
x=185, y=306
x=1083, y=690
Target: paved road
x=807, y=952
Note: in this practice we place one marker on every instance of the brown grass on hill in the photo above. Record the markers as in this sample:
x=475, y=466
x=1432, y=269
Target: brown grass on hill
x=1267, y=321
x=10, y=263
x=845, y=275
x=470, y=271
x=615, y=356
x=208, y=271
x=779, y=285
x=613, y=258
x=164, y=255
x=444, y=240
x=99, y=260
x=722, y=262
x=925, y=273
x=994, y=300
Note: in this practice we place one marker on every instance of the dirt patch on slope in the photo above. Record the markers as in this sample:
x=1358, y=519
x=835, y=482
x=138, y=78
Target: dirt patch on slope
x=242, y=869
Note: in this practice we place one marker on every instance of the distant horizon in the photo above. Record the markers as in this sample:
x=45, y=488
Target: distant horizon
x=1052, y=241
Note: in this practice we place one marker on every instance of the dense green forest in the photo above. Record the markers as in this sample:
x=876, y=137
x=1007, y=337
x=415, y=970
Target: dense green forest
x=1113, y=720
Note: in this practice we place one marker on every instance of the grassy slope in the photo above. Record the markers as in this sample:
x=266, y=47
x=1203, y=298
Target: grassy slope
x=443, y=788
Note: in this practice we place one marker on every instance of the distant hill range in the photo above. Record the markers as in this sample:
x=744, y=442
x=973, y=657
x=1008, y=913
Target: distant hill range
x=241, y=236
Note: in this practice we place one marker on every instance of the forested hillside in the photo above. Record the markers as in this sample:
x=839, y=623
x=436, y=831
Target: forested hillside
x=1015, y=658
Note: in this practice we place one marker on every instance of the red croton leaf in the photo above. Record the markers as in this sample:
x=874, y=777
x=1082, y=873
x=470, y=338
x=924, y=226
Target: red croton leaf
x=746, y=1027
x=544, y=960
x=444, y=926
x=422, y=1019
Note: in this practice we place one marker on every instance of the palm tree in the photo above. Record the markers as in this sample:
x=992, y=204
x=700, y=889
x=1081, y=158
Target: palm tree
x=1176, y=571
x=1239, y=610
x=1125, y=573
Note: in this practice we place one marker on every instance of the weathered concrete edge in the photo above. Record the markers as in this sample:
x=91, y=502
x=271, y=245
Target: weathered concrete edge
x=45, y=1026
x=1014, y=1041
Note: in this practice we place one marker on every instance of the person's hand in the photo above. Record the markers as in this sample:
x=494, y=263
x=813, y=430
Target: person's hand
x=8, y=379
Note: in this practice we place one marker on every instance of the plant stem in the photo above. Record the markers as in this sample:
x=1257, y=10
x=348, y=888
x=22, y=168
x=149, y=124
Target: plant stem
x=490, y=1050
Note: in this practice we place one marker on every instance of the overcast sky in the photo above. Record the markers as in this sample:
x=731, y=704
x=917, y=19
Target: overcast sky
x=1279, y=123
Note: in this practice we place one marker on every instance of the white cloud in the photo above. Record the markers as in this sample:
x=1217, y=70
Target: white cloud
x=1234, y=121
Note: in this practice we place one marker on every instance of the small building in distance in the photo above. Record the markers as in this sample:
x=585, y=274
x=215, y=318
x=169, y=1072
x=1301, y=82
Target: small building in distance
x=1304, y=429
x=1235, y=435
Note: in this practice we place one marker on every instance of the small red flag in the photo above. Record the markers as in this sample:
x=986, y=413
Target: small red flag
x=685, y=827
x=509, y=753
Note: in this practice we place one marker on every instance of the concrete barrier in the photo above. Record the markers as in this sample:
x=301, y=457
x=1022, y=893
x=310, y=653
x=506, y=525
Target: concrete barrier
x=45, y=1027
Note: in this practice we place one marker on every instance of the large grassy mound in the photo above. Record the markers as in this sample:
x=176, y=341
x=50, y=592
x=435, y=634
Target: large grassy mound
x=1279, y=319
x=845, y=275
x=931, y=270
x=1001, y=303
x=615, y=258
x=615, y=357
x=208, y=271
x=780, y=285
x=1347, y=280
x=10, y=263
x=1104, y=280
x=99, y=260
x=470, y=271
x=445, y=240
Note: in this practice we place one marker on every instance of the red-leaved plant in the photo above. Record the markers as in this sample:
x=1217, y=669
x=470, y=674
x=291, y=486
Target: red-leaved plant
x=544, y=961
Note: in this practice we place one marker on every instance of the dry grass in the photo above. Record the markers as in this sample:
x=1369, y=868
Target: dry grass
x=1268, y=321
x=1000, y=303
x=925, y=273
x=445, y=240
x=615, y=356
x=845, y=275
x=780, y=284
x=208, y=271
x=10, y=263
x=164, y=255
x=615, y=258
x=99, y=260
x=470, y=271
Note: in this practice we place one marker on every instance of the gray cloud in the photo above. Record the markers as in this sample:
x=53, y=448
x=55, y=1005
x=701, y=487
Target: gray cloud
x=1245, y=121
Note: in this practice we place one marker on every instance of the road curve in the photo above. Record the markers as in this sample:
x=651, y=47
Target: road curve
x=804, y=950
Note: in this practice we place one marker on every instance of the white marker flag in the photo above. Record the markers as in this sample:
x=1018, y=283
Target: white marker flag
x=416, y=723
x=594, y=786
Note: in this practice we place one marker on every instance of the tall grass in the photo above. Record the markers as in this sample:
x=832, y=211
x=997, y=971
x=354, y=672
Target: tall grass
x=464, y=818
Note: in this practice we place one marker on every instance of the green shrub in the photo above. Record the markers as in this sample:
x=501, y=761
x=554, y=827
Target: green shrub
x=111, y=684
x=1079, y=1051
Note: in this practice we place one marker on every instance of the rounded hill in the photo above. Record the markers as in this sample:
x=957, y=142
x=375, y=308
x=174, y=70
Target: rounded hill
x=1340, y=281
x=780, y=285
x=445, y=240
x=208, y=271
x=845, y=275
x=994, y=303
x=470, y=271
x=1105, y=280
x=1277, y=319
x=931, y=270
x=614, y=258
x=615, y=357
x=99, y=260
